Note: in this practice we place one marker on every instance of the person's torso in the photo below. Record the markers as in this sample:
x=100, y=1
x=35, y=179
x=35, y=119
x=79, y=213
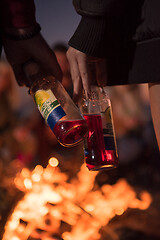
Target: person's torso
x=140, y=17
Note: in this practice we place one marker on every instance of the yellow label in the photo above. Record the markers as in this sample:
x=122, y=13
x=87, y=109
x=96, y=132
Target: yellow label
x=41, y=96
x=107, y=121
x=108, y=116
x=49, y=107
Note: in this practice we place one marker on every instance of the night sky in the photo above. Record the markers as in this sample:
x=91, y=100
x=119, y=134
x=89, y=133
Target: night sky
x=57, y=18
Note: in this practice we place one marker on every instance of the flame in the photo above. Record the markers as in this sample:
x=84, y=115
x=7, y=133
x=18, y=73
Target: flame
x=28, y=183
x=50, y=200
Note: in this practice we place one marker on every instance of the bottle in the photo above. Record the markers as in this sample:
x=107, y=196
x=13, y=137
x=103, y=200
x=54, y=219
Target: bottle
x=100, y=147
x=56, y=106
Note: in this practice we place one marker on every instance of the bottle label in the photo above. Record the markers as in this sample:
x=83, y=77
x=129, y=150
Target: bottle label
x=108, y=132
x=49, y=107
x=107, y=122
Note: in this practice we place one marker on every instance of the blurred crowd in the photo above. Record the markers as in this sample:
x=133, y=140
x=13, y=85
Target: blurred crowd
x=25, y=136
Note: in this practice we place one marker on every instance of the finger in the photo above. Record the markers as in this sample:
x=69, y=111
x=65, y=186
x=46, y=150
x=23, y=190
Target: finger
x=101, y=72
x=77, y=81
x=51, y=65
x=20, y=75
x=84, y=74
x=92, y=73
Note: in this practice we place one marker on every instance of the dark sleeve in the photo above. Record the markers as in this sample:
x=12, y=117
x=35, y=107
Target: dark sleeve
x=95, y=7
x=91, y=34
x=17, y=13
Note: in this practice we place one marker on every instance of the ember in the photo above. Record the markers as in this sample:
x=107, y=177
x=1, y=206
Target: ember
x=54, y=208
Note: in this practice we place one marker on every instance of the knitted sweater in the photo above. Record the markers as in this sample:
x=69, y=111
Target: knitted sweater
x=104, y=20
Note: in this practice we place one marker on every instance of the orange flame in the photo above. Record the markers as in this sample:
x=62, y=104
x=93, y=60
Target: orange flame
x=49, y=199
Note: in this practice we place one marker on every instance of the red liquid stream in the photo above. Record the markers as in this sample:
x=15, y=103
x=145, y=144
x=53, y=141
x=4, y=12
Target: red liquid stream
x=70, y=133
x=96, y=155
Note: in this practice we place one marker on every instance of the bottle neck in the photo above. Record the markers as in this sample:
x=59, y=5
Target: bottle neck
x=97, y=103
x=90, y=105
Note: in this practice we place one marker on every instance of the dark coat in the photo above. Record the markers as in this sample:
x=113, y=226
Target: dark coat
x=126, y=33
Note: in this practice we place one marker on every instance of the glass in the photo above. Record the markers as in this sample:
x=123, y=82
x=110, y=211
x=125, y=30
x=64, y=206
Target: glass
x=100, y=147
x=55, y=105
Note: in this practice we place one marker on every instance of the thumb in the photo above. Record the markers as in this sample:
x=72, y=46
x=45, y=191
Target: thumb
x=20, y=75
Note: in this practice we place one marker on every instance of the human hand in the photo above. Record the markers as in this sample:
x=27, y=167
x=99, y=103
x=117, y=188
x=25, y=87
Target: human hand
x=85, y=71
x=18, y=52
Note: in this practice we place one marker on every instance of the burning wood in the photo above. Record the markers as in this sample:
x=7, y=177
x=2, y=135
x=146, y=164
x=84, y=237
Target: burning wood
x=54, y=208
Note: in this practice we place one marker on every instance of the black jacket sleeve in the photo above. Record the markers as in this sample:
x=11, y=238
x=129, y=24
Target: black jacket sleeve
x=96, y=7
x=91, y=34
x=90, y=37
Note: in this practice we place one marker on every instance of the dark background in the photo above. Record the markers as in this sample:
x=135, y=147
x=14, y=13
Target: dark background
x=57, y=18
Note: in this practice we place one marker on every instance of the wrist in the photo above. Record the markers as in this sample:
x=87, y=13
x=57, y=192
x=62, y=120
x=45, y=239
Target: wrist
x=21, y=33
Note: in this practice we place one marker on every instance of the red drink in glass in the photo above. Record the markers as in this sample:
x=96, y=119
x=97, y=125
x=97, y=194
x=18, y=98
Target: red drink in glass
x=100, y=152
x=71, y=132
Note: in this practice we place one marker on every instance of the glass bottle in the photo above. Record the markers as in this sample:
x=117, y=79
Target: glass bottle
x=56, y=106
x=100, y=146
